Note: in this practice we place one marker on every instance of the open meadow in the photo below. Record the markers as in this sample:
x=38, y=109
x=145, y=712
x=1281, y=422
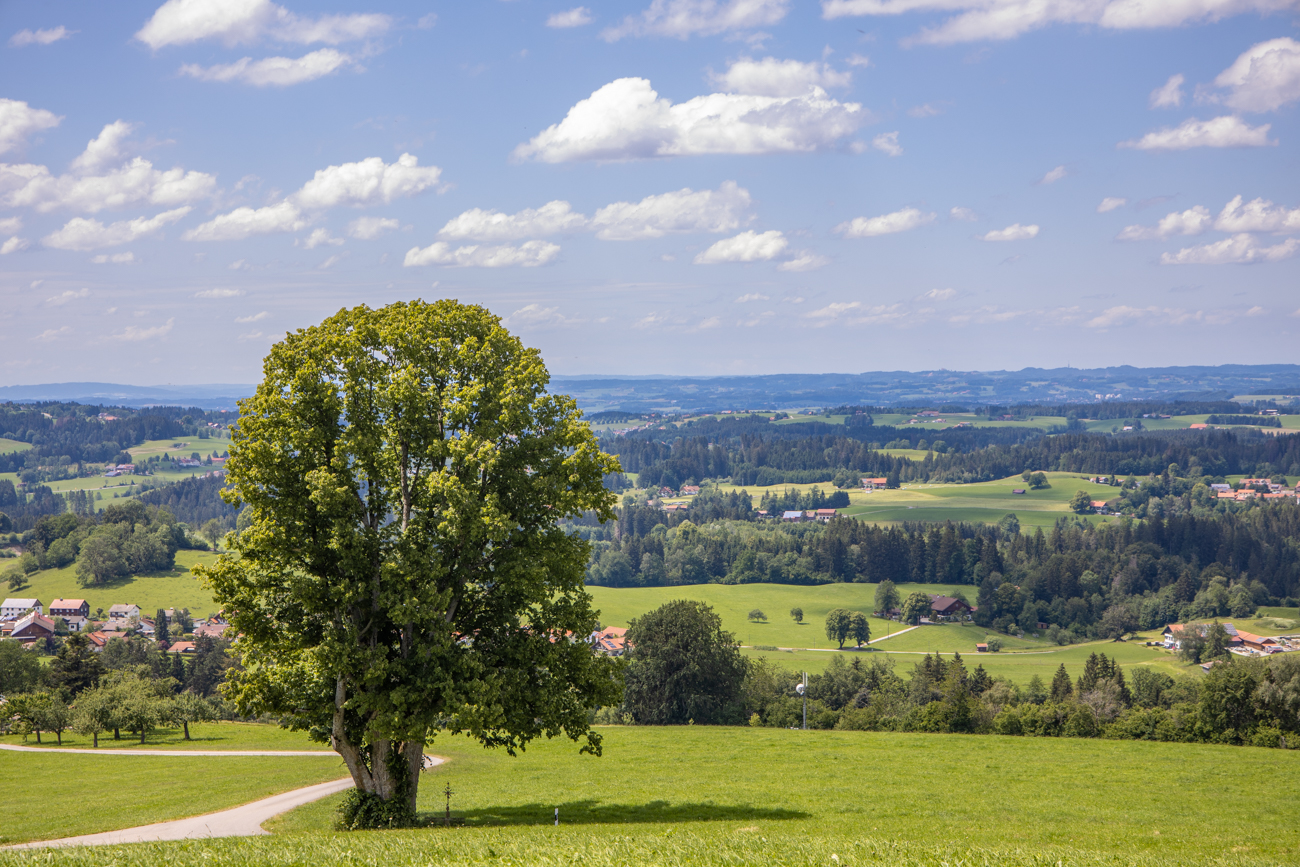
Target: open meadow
x=732, y=796
x=177, y=587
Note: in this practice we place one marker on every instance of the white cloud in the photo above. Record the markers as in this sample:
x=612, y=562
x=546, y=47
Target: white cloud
x=887, y=142
x=1220, y=132
x=256, y=317
x=940, y=294
x=1258, y=215
x=331, y=261
x=1118, y=316
x=477, y=224
x=886, y=224
x=922, y=111
x=751, y=296
x=113, y=259
x=1168, y=95
x=23, y=38
x=1111, y=203
x=426, y=22
x=319, y=237
x=135, y=334
x=684, y=210
x=104, y=149
x=530, y=254
x=1014, y=232
x=219, y=293
x=135, y=182
x=772, y=77
x=9, y=225
x=682, y=19
x=13, y=245
x=180, y=22
x=963, y=214
x=369, y=228
x=252, y=335
x=239, y=265
x=52, y=334
x=1006, y=19
x=858, y=60
x=81, y=233
x=368, y=182
x=804, y=260
x=627, y=120
x=18, y=120
x=710, y=322
x=273, y=71
x=1240, y=249
x=1053, y=176
x=575, y=17
x=66, y=296
x=1193, y=221
x=245, y=222
x=1264, y=78
x=536, y=315
x=854, y=313
x=745, y=247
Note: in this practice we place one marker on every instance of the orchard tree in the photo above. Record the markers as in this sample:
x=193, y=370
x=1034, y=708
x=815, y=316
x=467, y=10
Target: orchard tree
x=915, y=607
x=797, y=614
x=839, y=624
x=401, y=570
x=1081, y=503
x=886, y=597
x=859, y=629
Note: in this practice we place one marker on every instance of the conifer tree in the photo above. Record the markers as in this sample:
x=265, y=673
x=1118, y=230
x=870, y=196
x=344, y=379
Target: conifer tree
x=1061, y=688
x=1091, y=674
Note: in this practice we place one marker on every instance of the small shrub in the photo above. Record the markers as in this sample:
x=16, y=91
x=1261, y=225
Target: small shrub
x=995, y=644
x=365, y=811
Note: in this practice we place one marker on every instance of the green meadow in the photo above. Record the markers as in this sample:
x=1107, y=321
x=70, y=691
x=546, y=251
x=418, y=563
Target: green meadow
x=7, y=445
x=203, y=736
x=736, y=796
x=177, y=587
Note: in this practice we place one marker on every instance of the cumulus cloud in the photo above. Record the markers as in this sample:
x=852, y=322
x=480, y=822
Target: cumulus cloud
x=530, y=254
x=1053, y=176
x=749, y=297
x=23, y=38
x=82, y=233
x=104, y=149
x=575, y=17
x=804, y=260
x=684, y=210
x=627, y=120
x=536, y=315
x=319, y=237
x=772, y=77
x=66, y=296
x=113, y=259
x=9, y=225
x=135, y=333
x=682, y=19
x=887, y=142
x=963, y=214
x=745, y=247
x=479, y=225
x=273, y=71
x=923, y=111
x=886, y=224
x=856, y=313
x=1264, y=78
x=18, y=120
x=1111, y=203
x=1258, y=215
x=14, y=245
x=368, y=182
x=939, y=294
x=256, y=317
x=1006, y=19
x=1228, y=131
x=369, y=228
x=219, y=293
x=1168, y=95
x=1240, y=249
x=1014, y=232
x=1193, y=221
x=52, y=334
x=232, y=22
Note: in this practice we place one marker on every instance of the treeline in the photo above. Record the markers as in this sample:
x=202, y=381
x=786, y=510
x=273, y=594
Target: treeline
x=20, y=510
x=1256, y=420
x=194, y=502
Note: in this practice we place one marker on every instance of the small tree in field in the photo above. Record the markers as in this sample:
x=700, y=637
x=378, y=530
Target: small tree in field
x=1081, y=503
x=188, y=708
x=401, y=569
x=915, y=607
x=859, y=629
x=757, y=616
x=797, y=614
x=839, y=625
x=886, y=597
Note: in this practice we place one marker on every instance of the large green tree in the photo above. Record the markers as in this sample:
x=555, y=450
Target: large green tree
x=683, y=666
x=401, y=570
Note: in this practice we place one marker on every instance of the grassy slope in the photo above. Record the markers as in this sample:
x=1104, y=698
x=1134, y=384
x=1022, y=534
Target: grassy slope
x=204, y=736
x=155, y=590
x=7, y=446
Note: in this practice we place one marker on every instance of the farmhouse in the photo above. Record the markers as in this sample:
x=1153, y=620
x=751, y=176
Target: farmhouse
x=947, y=606
x=794, y=516
x=182, y=648
x=825, y=514
x=874, y=484
x=120, y=615
x=611, y=641
x=73, y=611
x=33, y=627
x=13, y=608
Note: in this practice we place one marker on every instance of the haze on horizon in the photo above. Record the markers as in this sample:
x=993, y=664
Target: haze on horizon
x=687, y=187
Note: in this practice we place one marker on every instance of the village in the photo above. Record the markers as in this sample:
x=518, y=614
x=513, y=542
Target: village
x=30, y=623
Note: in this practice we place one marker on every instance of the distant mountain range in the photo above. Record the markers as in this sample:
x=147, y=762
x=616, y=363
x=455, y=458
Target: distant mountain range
x=1032, y=385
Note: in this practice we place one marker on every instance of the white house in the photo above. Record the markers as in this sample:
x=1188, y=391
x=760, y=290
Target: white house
x=121, y=614
x=12, y=609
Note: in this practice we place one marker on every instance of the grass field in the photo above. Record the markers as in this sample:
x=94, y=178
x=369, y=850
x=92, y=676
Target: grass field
x=203, y=736
x=740, y=796
x=7, y=446
x=178, y=588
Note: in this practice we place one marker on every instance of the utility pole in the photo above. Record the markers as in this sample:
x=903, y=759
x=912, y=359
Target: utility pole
x=802, y=689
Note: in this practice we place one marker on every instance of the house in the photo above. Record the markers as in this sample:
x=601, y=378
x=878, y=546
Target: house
x=825, y=514
x=690, y=490
x=33, y=627
x=214, y=628
x=981, y=648
x=182, y=647
x=98, y=641
x=146, y=628
x=1251, y=641
x=611, y=641
x=794, y=516
x=13, y=608
x=947, y=606
x=1198, y=427
x=874, y=484
x=73, y=611
x=1017, y=490
x=1099, y=506
x=1221, y=488
x=1173, y=634
x=121, y=614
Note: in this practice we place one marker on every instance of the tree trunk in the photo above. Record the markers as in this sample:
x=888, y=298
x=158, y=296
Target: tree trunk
x=383, y=777
x=59, y=735
x=38, y=736
x=142, y=734
x=186, y=724
x=95, y=735
x=117, y=733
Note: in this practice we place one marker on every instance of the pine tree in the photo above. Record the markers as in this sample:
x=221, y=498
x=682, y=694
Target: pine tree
x=1061, y=688
x=980, y=680
x=160, y=633
x=1091, y=674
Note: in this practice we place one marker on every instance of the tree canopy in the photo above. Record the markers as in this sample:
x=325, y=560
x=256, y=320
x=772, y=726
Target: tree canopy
x=401, y=570
x=683, y=667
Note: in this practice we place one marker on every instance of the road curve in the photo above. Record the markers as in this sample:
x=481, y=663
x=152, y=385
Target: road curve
x=243, y=821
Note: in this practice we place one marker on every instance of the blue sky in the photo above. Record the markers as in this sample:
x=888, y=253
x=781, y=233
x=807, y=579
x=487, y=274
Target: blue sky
x=660, y=186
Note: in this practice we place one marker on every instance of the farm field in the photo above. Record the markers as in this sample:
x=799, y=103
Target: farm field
x=151, y=591
x=727, y=796
x=733, y=602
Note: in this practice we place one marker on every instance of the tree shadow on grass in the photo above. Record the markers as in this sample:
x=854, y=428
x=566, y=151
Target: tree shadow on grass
x=592, y=812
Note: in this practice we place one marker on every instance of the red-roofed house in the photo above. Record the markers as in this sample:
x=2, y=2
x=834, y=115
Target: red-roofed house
x=33, y=627
x=947, y=606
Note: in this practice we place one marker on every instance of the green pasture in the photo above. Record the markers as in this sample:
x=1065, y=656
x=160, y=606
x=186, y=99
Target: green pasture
x=203, y=736
x=7, y=445
x=175, y=588
x=733, y=602
x=188, y=445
